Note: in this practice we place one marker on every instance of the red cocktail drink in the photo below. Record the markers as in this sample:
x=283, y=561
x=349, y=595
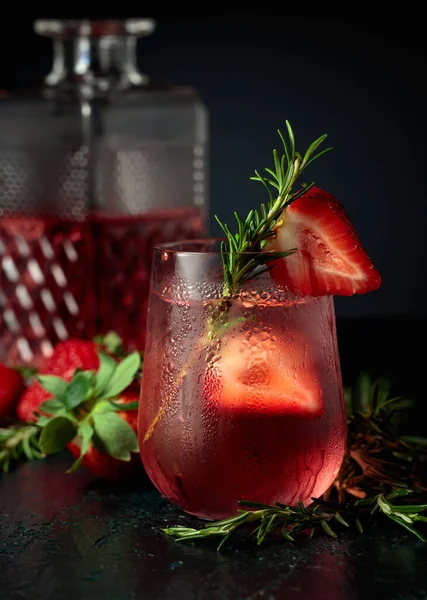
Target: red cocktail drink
x=248, y=407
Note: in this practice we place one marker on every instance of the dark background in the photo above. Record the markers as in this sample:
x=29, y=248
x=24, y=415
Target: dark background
x=361, y=79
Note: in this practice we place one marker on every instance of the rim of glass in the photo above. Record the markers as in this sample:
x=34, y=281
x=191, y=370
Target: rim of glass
x=177, y=247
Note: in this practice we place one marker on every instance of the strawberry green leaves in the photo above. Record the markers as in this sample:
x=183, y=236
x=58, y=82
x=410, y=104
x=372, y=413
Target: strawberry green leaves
x=117, y=436
x=123, y=375
x=84, y=409
x=66, y=396
x=112, y=342
x=86, y=387
x=56, y=434
x=91, y=414
x=26, y=371
x=77, y=390
x=85, y=433
x=125, y=407
x=107, y=366
x=53, y=384
x=52, y=406
x=112, y=377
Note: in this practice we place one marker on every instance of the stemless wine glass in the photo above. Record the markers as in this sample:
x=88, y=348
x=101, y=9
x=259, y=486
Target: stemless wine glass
x=242, y=396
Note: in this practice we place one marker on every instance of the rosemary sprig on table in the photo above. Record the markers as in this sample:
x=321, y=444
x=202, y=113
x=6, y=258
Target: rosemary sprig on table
x=291, y=520
x=18, y=442
x=383, y=475
x=254, y=231
x=378, y=452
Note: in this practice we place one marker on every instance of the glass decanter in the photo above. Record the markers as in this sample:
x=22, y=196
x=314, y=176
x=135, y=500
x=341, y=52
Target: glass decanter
x=96, y=167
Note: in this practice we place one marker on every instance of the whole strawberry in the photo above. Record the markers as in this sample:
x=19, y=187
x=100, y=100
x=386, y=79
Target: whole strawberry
x=11, y=385
x=95, y=416
x=71, y=355
x=66, y=358
x=100, y=463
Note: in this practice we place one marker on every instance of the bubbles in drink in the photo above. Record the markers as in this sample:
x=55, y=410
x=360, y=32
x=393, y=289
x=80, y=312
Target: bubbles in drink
x=253, y=413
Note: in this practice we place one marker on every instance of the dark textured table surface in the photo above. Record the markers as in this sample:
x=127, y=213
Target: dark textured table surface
x=70, y=537
x=74, y=538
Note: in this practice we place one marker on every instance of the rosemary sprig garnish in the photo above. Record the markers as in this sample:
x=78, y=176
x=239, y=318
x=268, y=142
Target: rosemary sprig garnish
x=18, y=442
x=254, y=231
x=383, y=475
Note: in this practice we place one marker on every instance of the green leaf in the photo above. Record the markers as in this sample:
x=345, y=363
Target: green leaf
x=348, y=398
x=313, y=147
x=265, y=184
x=318, y=155
x=341, y=519
x=85, y=432
x=42, y=420
x=397, y=404
x=56, y=434
x=415, y=440
x=286, y=534
x=123, y=375
x=409, y=508
x=113, y=343
x=285, y=146
x=107, y=366
x=128, y=406
x=53, y=384
x=363, y=393
x=327, y=529
x=117, y=436
x=399, y=492
x=51, y=406
x=76, y=391
x=291, y=139
x=359, y=525
x=407, y=526
x=417, y=517
x=265, y=527
x=26, y=371
x=102, y=406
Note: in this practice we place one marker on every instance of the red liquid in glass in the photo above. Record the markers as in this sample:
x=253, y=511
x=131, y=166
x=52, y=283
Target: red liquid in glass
x=258, y=417
x=60, y=279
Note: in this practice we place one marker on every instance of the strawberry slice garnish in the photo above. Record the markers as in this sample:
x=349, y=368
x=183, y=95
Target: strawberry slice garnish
x=329, y=257
x=257, y=375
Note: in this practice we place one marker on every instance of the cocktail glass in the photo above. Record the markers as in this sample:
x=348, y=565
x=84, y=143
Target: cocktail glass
x=242, y=395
